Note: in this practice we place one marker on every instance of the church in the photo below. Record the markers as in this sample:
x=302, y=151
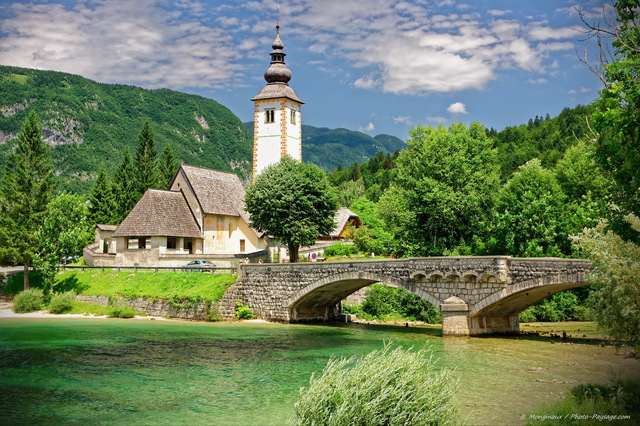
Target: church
x=202, y=214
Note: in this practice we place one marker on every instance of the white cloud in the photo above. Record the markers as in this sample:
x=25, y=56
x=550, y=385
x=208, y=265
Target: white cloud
x=368, y=128
x=540, y=80
x=365, y=82
x=436, y=119
x=400, y=47
x=497, y=12
x=406, y=48
x=457, y=108
x=125, y=42
x=539, y=32
x=403, y=119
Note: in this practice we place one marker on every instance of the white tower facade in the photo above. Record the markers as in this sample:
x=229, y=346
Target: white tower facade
x=277, y=115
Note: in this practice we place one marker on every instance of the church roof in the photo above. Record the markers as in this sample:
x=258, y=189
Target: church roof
x=217, y=192
x=160, y=213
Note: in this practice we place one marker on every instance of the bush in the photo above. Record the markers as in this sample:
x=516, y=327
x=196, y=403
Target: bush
x=121, y=311
x=382, y=301
x=28, y=301
x=392, y=387
x=243, y=311
x=340, y=250
x=62, y=302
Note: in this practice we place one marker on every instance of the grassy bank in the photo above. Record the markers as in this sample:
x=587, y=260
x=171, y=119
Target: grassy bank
x=170, y=286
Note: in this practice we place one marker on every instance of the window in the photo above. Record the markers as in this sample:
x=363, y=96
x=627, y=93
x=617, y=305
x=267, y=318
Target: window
x=270, y=116
x=142, y=242
x=293, y=117
x=242, y=246
x=172, y=242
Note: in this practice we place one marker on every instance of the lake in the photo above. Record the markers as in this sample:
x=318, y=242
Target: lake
x=114, y=371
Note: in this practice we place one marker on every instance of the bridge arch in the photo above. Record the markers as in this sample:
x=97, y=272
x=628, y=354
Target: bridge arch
x=515, y=298
x=317, y=298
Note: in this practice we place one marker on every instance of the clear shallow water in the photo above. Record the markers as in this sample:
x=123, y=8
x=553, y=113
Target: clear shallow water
x=168, y=372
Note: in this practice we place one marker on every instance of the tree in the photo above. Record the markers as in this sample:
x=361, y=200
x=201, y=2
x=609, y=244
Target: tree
x=26, y=188
x=588, y=191
x=64, y=232
x=528, y=214
x=124, y=187
x=615, y=274
x=293, y=202
x=103, y=208
x=145, y=166
x=617, y=121
x=167, y=167
x=447, y=179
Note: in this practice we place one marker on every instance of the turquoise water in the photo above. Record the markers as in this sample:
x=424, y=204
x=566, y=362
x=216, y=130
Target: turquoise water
x=110, y=371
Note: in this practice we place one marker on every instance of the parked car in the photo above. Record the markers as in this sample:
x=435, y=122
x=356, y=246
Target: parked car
x=199, y=264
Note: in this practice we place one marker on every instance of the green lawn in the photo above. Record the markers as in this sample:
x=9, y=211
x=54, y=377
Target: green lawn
x=161, y=285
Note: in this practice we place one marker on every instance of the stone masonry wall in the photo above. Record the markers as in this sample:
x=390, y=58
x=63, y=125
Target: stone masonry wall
x=202, y=311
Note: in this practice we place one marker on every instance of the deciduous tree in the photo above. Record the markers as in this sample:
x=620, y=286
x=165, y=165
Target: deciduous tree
x=447, y=179
x=529, y=212
x=63, y=233
x=617, y=121
x=26, y=188
x=293, y=202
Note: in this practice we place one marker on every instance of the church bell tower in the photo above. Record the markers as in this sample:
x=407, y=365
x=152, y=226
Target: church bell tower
x=277, y=118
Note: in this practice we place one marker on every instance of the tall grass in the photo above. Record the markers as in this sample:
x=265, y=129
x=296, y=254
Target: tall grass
x=385, y=387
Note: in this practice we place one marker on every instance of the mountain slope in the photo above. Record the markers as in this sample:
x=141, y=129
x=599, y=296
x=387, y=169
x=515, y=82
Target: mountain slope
x=329, y=148
x=89, y=124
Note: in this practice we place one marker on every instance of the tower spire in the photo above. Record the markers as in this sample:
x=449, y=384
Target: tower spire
x=277, y=113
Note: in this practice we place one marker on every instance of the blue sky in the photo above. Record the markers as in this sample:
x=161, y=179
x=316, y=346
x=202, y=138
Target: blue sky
x=379, y=66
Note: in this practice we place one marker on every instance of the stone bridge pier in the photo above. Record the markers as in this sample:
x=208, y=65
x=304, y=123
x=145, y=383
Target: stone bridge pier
x=476, y=295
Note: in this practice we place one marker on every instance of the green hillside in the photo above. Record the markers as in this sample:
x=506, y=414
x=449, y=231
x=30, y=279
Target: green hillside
x=89, y=124
x=330, y=148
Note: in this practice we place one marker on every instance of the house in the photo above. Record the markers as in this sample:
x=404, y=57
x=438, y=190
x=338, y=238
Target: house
x=202, y=215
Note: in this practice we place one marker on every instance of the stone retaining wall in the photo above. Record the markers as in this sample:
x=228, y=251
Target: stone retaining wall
x=159, y=308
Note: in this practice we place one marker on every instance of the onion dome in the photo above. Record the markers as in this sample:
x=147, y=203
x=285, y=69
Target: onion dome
x=277, y=71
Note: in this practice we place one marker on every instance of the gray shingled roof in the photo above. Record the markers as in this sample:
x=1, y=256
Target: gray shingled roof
x=277, y=90
x=160, y=213
x=341, y=218
x=218, y=192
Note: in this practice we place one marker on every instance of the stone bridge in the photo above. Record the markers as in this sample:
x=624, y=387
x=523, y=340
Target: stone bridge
x=477, y=295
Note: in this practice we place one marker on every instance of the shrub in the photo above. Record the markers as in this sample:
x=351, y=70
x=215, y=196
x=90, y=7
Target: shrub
x=392, y=387
x=243, y=311
x=528, y=315
x=28, y=301
x=62, y=302
x=121, y=311
x=382, y=301
x=340, y=250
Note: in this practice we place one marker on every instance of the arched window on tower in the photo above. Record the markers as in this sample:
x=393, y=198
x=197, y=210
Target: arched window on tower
x=270, y=116
x=293, y=116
